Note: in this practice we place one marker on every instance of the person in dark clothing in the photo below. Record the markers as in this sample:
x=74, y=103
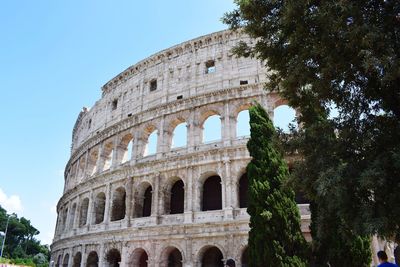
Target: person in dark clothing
x=383, y=260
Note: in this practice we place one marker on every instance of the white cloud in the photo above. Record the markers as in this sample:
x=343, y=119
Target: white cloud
x=10, y=203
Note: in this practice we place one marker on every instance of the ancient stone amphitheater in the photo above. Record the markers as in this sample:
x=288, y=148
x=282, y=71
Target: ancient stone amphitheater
x=180, y=201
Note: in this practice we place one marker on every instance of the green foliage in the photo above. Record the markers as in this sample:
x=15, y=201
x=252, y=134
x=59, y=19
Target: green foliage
x=275, y=238
x=20, y=245
x=338, y=56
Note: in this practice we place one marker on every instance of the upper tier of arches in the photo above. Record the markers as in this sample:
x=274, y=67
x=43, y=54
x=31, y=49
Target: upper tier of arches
x=203, y=65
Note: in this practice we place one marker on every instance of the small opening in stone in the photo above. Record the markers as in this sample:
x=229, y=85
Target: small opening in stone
x=114, y=104
x=153, y=85
x=210, y=66
x=130, y=114
x=179, y=97
x=244, y=82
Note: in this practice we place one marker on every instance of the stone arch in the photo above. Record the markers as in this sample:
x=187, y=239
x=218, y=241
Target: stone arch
x=72, y=216
x=176, y=197
x=81, y=169
x=118, y=208
x=179, y=135
x=125, y=148
x=283, y=115
x=150, y=138
x=77, y=260
x=143, y=200
x=91, y=167
x=65, y=260
x=64, y=219
x=83, y=212
x=92, y=259
x=59, y=259
x=108, y=151
x=211, y=126
x=211, y=192
x=171, y=256
x=211, y=256
x=113, y=258
x=243, y=124
x=99, y=207
x=243, y=190
x=139, y=258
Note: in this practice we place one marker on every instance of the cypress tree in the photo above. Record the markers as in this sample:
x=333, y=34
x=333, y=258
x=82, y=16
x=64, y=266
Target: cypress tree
x=275, y=238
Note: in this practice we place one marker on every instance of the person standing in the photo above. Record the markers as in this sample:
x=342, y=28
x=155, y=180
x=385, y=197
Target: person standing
x=383, y=260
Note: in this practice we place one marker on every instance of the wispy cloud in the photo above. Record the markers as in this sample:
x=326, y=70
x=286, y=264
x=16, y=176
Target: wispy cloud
x=10, y=203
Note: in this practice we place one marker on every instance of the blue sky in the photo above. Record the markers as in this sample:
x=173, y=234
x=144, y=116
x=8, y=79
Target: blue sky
x=54, y=57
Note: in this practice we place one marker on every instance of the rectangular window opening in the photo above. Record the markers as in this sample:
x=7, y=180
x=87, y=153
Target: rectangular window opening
x=114, y=104
x=244, y=82
x=153, y=85
x=210, y=66
x=179, y=97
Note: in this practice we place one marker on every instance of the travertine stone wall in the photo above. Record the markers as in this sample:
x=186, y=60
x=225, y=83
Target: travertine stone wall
x=101, y=211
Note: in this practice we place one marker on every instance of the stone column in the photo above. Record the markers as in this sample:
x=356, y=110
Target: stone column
x=85, y=173
x=128, y=201
x=107, y=205
x=155, y=196
x=100, y=159
x=83, y=253
x=102, y=255
x=77, y=213
x=115, y=160
x=188, y=217
x=225, y=123
x=135, y=148
x=160, y=140
x=90, y=213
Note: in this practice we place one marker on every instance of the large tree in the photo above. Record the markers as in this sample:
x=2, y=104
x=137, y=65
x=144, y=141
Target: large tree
x=275, y=238
x=340, y=55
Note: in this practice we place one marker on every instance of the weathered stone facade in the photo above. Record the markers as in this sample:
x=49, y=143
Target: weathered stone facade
x=121, y=205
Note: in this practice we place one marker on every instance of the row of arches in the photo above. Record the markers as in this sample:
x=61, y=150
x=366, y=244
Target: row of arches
x=208, y=256
x=173, y=200
x=113, y=152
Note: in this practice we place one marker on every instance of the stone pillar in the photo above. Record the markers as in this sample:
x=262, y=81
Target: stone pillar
x=226, y=126
x=107, y=205
x=83, y=253
x=85, y=174
x=191, y=130
x=160, y=140
x=188, y=217
x=128, y=201
x=135, y=148
x=102, y=255
x=155, y=195
x=77, y=213
x=90, y=213
x=100, y=159
x=115, y=160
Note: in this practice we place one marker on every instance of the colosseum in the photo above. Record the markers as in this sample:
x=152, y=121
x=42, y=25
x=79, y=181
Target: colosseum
x=156, y=175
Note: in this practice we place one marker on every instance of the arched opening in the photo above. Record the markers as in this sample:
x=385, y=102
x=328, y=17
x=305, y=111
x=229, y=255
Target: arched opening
x=108, y=152
x=64, y=219
x=230, y=263
x=143, y=200
x=179, y=136
x=82, y=163
x=245, y=258
x=212, y=194
x=113, y=258
x=212, y=257
x=77, y=260
x=99, y=208
x=139, y=258
x=92, y=161
x=212, y=129
x=92, y=260
x=175, y=258
x=66, y=260
x=177, y=202
x=58, y=264
x=147, y=202
x=243, y=188
x=126, y=148
x=118, y=204
x=283, y=117
x=72, y=216
x=243, y=124
x=151, y=145
x=83, y=212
